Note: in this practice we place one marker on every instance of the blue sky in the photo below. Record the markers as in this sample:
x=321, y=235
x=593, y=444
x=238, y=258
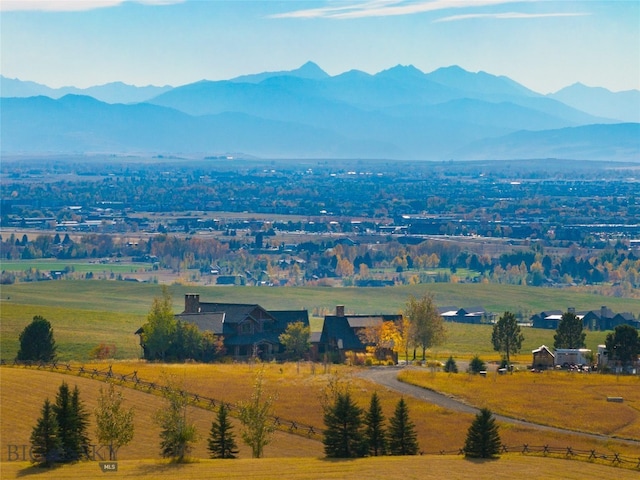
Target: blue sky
x=545, y=45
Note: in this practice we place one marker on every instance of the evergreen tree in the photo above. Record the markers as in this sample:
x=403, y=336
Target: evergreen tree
x=81, y=424
x=375, y=433
x=569, y=333
x=45, y=442
x=403, y=439
x=450, y=366
x=63, y=411
x=222, y=443
x=36, y=341
x=343, y=436
x=506, y=336
x=483, y=440
x=477, y=365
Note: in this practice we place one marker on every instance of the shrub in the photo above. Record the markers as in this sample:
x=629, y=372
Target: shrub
x=477, y=365
x=450, y=366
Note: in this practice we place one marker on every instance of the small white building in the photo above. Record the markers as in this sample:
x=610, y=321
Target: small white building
x=572, y=356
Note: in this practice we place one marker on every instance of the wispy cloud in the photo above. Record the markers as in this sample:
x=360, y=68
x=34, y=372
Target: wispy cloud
x=72, y=5
x=509, y=15
x=383, y=8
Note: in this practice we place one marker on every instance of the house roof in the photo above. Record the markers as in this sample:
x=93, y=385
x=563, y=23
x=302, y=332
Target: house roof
x=543, y=348
x=336, y=330
x=476, y=310
x=206, y=322
x=235, y=312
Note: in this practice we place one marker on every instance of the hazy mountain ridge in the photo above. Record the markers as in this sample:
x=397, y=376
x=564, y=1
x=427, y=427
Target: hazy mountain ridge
x=400, y=112
x=115, y=92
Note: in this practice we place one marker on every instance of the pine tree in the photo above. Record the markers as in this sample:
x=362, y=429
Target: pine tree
x=450, y=366
x=36, y=342
x=483, y=440
x=403, y=439
x=45, y=442
x=569, y=333
x=72, y=424
x=222, y=443
x=375, y=434
x=64, y=415
x=81, y=424
x=343, y=437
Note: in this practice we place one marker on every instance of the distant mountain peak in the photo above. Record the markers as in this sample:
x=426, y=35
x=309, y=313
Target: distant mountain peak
x=401, y=71
x=310, y=70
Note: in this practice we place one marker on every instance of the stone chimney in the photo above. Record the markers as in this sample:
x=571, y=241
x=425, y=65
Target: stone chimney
x=603, y=311
x=339, y=310
x=192, y=303
x=571, y=310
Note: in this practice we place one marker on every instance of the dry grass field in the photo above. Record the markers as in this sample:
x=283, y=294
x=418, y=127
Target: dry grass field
x=508, y=467
x=298, y=390
x=558, y=398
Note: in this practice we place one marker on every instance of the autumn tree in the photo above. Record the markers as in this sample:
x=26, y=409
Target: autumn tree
x=506, y=336
x=296, y=339
x=157, y=333
x=381, y=338
x=403, y=438
x=46, y=446
x=569, y=333
x=114, y=423
x=427, y=326
x=375, y=433
x=222, y=443
x=36, y=341
x=483, y=439
x=256, y=417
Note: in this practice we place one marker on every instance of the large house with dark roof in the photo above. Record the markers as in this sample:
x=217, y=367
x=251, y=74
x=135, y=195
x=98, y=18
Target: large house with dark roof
x=248, y=330
x=599, y=319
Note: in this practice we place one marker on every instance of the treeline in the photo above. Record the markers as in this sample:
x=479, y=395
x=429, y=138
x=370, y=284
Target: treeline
x=310, y=262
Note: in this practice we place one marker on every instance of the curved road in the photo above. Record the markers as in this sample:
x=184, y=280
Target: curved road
x=388, y=377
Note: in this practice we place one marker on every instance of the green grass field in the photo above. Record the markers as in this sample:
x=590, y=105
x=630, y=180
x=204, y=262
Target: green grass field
x=87, y=313
x=47, y=265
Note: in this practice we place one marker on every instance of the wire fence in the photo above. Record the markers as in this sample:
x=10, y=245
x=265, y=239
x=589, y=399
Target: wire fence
x=132, y=380
x=294, y=427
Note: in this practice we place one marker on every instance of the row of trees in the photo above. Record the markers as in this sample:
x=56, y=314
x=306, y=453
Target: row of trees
x=60, y=434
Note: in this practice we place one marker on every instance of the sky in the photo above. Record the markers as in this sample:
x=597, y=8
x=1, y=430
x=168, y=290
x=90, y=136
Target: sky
x=544, y=45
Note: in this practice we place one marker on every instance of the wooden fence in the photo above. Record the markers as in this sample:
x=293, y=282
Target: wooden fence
x=294, y=427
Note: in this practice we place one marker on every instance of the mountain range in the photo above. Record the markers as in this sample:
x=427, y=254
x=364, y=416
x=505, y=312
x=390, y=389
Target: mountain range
x=398, y=113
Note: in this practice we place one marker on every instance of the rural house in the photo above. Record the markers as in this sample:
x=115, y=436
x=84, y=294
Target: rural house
x=474, y=315
x=248, y=330
x=543, y=358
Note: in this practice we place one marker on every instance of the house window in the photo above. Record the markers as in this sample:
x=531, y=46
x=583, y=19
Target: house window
x=245, y=328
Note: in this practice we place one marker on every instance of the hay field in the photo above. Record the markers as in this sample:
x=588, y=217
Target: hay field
x=508, y=467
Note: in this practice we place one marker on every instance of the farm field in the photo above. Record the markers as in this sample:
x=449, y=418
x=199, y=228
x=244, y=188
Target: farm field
x=298, y=390
x=426, y=467
x=86, y=313
x=582, y=405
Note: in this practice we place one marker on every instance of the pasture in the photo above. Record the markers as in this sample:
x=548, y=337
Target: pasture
x=426, y=467
x=86, y=313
